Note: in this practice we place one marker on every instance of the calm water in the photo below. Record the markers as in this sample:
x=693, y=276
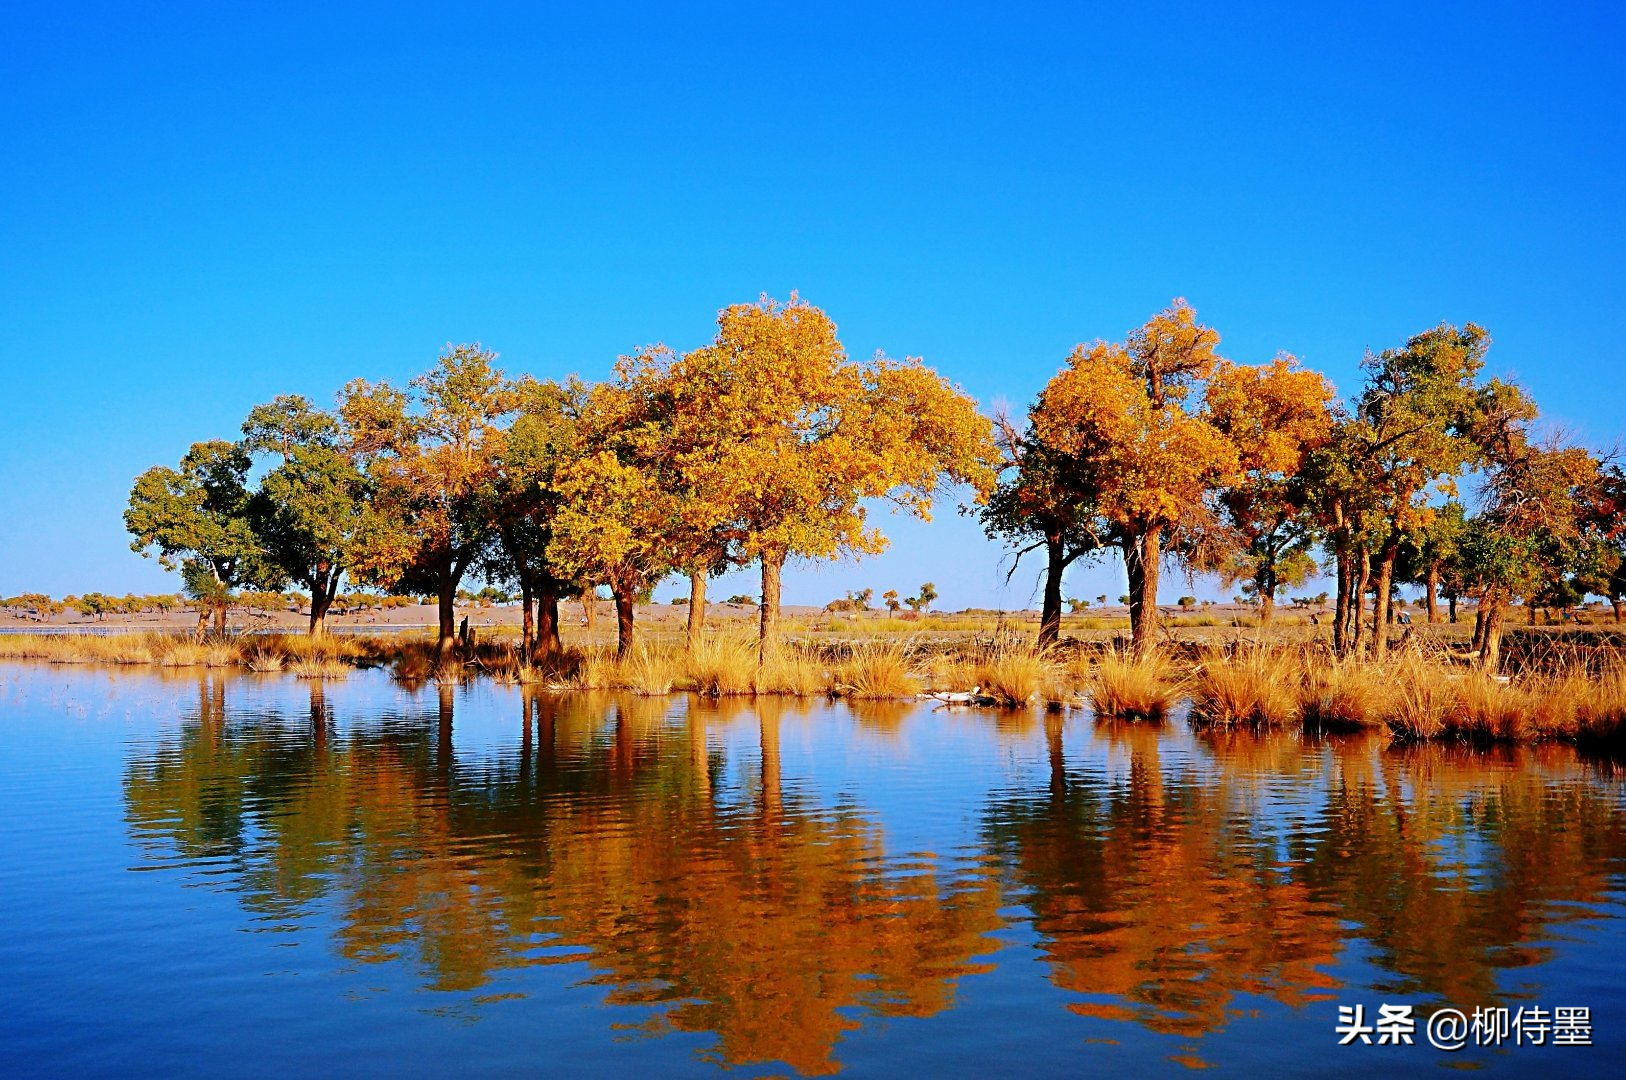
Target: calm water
x=255, y=875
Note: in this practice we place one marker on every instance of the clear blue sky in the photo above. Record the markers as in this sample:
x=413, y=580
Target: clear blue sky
x=203, y=206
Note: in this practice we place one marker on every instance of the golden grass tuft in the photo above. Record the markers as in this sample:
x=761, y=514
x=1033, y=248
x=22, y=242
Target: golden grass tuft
x=319, y=667
x=792, y=670
x=1256, y=687
x=722, y=663
x=1487, y=709
x=1341, y=695
x=1422, y=699
x=875, y=668
x=647, y=671
x=1600, y=714
x=1014, y=674
x=1125, y=686
x=263, y=660
x=415, y=661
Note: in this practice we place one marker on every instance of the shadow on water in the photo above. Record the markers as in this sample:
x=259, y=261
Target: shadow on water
x=606, y=837
x=1168, y=878
x=1166, y=892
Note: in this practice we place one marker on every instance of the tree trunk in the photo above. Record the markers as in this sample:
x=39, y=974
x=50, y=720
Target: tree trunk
x=1451, y=606
x=203, y=621
x=1267, y=605
x=446, y=600
x=527, y=621
x=1614, y=603
x=1431, y=591
x=590, y=607
x=323, y=591
x=1380, y=601
x=1530, y=608
x=1490, y=651
x=1363, y=576
x=697, y=607
x=220, y=618
x=623, y=621
x=547, y=619
x=1141, y=559
x=1050, y=615
x=1340, y=617
x=773, y=563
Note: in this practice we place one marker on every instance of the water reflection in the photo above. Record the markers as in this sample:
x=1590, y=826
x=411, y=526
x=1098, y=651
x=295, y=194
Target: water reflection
x=744, y=909
x=1171, y=881
x=1164, y=891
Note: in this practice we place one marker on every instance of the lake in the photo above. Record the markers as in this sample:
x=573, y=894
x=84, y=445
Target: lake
x=217, y=872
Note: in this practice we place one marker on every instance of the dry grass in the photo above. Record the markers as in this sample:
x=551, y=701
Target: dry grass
x=876, y=668
x=1422, y=699
x=414, y=662
x=1601, y=712
x=1341, y=695
x=263, y=660
x=319, y=667
x=792, y=670
x=1579, y=697
x=1129, y=687
x=1487, y=709
x=1255, y=687
x=722, y=663
x=1013, y=674
x=649, y=671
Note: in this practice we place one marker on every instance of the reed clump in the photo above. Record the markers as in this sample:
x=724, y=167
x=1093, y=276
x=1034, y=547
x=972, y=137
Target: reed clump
x=1422, y=699
x=875, y=668
x=792, y=670
x=1487, y=709
x=1012, y=674
x=1129, y=687
x=1600, y=714
x=722, y=664
x=1255, y=687
x=647, y=670
x=1341, y=695
x=319, y=667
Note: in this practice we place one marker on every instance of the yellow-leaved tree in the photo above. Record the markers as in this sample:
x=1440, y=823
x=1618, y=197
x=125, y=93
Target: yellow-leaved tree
x=1276, y=414
x=1122, y=424
x=621, y=500
x=432, y=454
x=797, y=436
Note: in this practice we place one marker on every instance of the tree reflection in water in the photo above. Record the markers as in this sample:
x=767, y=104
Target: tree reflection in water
x=1164, y=892
x=1172, y=880
x=747, y=911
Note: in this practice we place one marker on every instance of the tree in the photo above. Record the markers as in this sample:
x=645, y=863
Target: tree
x=1133, y=450
x=615, y=521
x=1533, y=530
x=1034, y=507
x=1187, y=602
x=1275, y=414
x=1427, y=550
x=198, y=516
x=890, y=598
x=1076, y=605
x=802, y=437
x=310, y=511
x=545, y=438
x=1604, y=571
x=431, y=455
x=1422, y=418
x=922, y=602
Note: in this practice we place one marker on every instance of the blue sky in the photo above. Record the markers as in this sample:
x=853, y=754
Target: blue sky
x=203, y=206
